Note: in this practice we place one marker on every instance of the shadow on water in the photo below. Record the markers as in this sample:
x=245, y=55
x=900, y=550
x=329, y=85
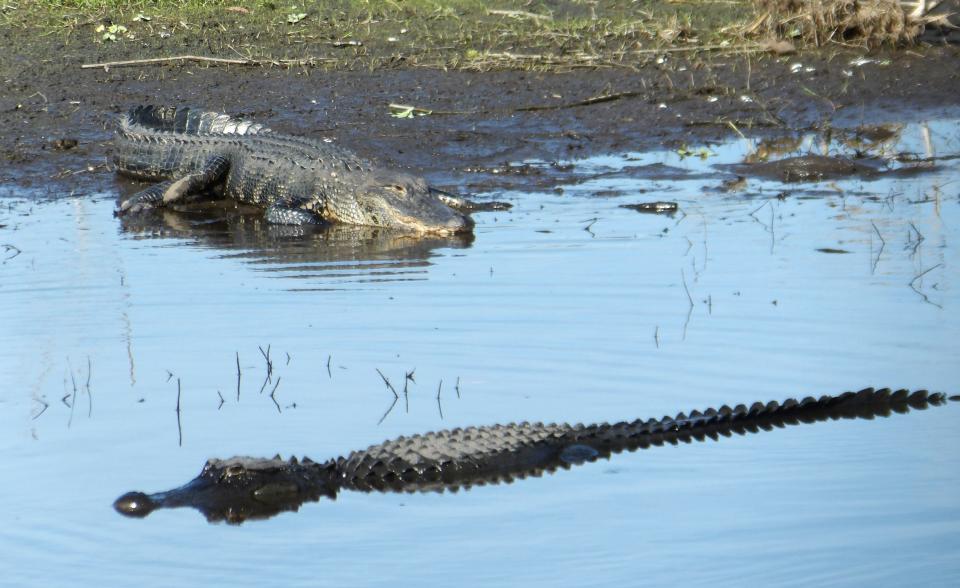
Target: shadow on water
x=336, y=253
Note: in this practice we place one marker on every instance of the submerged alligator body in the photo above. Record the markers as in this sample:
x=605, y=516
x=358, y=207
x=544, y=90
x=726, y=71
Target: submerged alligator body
x=194, y=154
x=242, y=488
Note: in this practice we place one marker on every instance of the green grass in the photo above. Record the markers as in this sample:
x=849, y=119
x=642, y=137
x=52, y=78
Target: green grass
x=436, y=33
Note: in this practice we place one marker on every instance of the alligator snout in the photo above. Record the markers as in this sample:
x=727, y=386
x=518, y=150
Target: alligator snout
x=460, y=223
x=134, y=504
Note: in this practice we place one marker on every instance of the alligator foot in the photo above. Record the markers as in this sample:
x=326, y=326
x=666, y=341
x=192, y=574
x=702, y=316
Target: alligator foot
x=284, y=215
x=214, y=168
x=170, y=191
x=148, y=199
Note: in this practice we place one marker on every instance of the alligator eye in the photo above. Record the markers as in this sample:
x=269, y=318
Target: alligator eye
x=233, y=470
x=398, y=188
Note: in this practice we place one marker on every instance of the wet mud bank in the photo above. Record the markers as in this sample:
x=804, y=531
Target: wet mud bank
x=481, y=127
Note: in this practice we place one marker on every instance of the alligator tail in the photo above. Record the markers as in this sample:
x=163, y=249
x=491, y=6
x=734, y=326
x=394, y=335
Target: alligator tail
x=187, y=121
x=725, y=421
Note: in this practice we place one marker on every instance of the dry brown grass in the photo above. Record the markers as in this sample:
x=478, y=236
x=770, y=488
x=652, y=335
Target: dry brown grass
x=869, y=23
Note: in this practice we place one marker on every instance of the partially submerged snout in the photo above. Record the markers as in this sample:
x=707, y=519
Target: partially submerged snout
x=414, y=207
x=135, y=504
x=241, y=488
x=400, y=201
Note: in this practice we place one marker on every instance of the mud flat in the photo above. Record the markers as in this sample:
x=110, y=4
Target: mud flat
x=659, y=85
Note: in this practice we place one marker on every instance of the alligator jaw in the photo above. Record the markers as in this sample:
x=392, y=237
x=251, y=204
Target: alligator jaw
x=458, y=224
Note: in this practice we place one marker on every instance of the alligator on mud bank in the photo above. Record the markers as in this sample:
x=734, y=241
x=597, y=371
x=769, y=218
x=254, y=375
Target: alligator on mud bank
x=194, y=153
x=242, y=488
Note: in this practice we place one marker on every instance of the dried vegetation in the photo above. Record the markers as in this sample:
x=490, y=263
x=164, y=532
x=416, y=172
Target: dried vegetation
x=866, y=23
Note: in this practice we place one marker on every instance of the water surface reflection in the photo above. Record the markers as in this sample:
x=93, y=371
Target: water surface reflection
x=331, y=254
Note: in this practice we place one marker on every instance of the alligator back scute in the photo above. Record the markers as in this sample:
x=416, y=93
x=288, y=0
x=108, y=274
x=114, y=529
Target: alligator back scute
x=453, y=458
x=189, y=121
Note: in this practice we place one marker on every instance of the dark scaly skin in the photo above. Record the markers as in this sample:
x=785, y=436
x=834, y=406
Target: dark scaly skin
x=297, y=181
x=242, y=488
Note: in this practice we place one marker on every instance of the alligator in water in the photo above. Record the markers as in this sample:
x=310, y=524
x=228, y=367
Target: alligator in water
x=242, y=488
x=195, y=154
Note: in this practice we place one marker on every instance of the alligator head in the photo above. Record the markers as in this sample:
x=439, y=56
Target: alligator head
x=399, y=201
x=241, y=488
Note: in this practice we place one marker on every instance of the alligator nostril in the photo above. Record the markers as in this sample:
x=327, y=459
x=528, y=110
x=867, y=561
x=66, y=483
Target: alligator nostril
x=134, y=504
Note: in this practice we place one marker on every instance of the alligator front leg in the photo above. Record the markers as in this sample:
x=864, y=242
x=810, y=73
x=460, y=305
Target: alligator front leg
x=279, y=214
x=213, y=170
x=150, y=198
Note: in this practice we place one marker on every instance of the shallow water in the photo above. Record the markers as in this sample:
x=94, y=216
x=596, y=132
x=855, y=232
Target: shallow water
x=567, y=308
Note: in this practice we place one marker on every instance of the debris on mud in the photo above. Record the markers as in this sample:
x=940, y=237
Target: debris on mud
x=63, y=144
x=808, y=168
x=659, y=207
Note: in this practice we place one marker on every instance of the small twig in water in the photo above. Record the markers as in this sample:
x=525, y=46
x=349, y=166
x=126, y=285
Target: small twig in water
x=683, y=277
x=439, y=406
x=917, y=277
x=387, y=382
x=266, y=381
x=915, y=243
x=238, y=376
x=272, y=395
x=42, y=410
x=883, y=244
x=73, y=398
x=266, y=357
x=392, y=404
x=590, y=224
x=7, y=248
x=274, y=391
x=179, y=427
x=686, y=322
x=757, y=209
x=87, y=387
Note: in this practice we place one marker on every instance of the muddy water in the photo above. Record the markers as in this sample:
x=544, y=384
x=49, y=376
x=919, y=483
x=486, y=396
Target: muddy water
x=568, y=308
